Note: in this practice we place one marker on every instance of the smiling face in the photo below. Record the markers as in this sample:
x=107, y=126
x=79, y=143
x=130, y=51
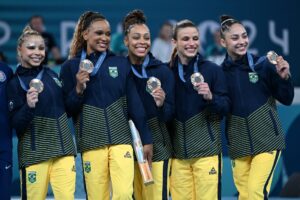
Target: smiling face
x=236, y=41
x=187, y=43
x=97, y=36
x=138, y=42
x=32, y=51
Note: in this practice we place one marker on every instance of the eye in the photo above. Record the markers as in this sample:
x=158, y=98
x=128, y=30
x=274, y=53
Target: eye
x=146, y=37
x=185, y=38
x=30, y=47
x=42, y=48
x=195, y=38
x=108, y=33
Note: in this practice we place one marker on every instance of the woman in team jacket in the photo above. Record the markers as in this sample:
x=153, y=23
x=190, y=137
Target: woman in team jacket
x=45, y=143
x=199, y=107
x=255, y=136
x=159, y=104
x=101, y=104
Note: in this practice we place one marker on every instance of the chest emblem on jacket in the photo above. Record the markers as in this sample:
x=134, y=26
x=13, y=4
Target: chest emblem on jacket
x=253, y=77
x=113, y=71
x=2, y=76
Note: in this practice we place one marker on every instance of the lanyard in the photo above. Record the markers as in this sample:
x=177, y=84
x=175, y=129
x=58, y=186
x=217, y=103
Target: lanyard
x=251, y=62
x=98, y=63
x=24, y=87
x=180, y=69
x=144, y=65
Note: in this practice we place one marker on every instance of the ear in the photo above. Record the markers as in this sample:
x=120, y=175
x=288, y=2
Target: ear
x=126, y=41
x=174, y=42
x=19, y=51
x=85, y=34
x=223, y=43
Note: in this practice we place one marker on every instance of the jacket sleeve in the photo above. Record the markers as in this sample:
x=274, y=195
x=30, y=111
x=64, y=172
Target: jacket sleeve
x=136, y=111
x=20, y=113
x=166, y=112
x=282, y=90
x=220, y=102
x=72, y=100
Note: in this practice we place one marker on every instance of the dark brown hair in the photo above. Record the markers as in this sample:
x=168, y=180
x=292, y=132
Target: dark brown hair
x=132, y=18
x=226, y=21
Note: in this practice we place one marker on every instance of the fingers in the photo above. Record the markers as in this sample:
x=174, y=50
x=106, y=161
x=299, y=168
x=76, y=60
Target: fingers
x=82, y=77
x=148, y=153
x=32, y=97
x=203, y=89
x=282, y=67
x=159, y=96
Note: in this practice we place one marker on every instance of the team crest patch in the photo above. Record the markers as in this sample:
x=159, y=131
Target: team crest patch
x=113, y=71
x=253, y=77
x=87, y=167
x=2, y=76
x=58, y=82
x=32, y=177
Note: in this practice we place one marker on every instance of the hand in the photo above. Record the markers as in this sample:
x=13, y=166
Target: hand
x=82, y=77
x=203, y=89
x=148, y=153
x=32, y=97
x=282, y=67
x=159, y=96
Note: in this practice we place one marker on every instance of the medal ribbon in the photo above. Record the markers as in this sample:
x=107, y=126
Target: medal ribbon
x=251, y=62
x=144, y=65
x=98, y=63
x=180, y=69
x=24, y=87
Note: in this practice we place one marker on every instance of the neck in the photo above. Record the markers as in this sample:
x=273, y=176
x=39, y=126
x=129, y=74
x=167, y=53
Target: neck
x=234, y=57
x=136, y=60
x=184, y=60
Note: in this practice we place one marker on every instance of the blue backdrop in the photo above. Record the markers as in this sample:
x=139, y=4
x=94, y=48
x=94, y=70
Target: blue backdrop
x=272, y=25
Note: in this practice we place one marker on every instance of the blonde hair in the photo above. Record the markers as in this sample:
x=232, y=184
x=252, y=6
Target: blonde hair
x=27, y=31
x=85, y=20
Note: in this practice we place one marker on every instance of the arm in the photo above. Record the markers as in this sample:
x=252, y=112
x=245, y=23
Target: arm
x=216, y=95
x=73, y=98
x=166, y=110
x=278, y=80
x=20, y=112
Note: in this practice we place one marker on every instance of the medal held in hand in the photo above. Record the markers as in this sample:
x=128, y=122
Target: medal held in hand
x=272, y=57
x=86, y=65
x=37, y=84
x=197, y=78
x=152, y=84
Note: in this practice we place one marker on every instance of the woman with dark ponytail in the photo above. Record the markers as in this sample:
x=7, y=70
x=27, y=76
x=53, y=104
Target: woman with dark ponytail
x=253, y=129
x=158, y=103
x=37, y=112
x=101, y=96
x=201, y=102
